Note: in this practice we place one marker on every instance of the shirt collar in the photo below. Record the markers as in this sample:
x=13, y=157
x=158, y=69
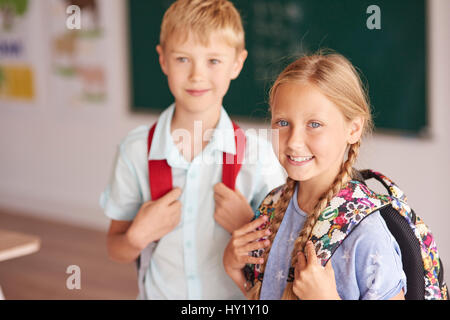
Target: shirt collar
x=221, y=140
x=161, y=149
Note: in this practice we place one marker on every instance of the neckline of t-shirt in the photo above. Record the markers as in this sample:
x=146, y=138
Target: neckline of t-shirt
x=295, y=202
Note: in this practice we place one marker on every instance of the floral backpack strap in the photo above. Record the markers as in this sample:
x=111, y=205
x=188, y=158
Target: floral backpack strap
x=345, y=211
x=267, y=208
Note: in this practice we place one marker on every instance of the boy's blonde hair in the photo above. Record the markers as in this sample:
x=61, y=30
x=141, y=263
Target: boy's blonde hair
x=335, y=77
x=201, y=18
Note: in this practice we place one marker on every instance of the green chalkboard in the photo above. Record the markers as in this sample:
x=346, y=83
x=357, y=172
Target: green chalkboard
x=392, y=59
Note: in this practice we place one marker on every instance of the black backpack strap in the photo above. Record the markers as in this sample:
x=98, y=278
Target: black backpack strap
x=410, y=249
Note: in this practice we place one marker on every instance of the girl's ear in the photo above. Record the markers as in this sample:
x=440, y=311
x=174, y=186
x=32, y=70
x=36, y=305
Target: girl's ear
x=239, y=63
x=355, y=130
x=162, y=60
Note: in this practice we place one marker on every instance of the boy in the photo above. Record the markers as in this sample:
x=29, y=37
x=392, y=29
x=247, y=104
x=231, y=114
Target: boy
x=201, y=50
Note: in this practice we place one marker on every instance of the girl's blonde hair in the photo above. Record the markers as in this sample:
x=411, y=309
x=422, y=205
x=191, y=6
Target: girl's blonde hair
x=335, y=77
x=201, y=18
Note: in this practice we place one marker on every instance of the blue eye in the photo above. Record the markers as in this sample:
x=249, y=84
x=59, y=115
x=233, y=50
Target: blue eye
x=214, y=61
x=182, y=59
x=282, y=123
x=315, y=125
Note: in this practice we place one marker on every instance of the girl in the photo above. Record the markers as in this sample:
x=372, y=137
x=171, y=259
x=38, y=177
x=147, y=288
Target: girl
x=321, y=111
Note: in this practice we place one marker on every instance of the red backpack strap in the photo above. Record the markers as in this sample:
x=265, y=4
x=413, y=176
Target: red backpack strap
x=232, y=162
x=159, y=172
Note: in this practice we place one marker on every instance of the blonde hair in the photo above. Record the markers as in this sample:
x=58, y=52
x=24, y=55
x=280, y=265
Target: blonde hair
x=201, y=18
x=339, y=81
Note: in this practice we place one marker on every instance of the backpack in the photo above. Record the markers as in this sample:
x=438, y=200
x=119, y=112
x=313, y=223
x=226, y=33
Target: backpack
x=421, y=263
x=160, y=180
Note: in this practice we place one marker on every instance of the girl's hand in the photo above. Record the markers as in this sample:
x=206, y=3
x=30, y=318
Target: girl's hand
x=312, y=281
x=242, y=242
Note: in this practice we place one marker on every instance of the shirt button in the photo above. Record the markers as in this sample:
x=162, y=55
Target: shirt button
x=192, y=174
x=188, y=244
x=189, y=209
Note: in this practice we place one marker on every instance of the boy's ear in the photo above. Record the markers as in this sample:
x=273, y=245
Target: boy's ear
x=355, y=130
x=239, y=63
x=162, y=60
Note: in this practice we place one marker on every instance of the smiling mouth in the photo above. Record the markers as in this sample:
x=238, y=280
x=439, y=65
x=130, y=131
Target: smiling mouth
x=300, y=159
x=196, y=93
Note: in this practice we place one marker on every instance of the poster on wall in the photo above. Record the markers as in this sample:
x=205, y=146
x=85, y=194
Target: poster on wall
x=17, y=75
x=77, y=54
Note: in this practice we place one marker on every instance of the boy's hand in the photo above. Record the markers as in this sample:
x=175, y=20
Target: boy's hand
x=312, y=281
x=232, y=209
x=155, y=219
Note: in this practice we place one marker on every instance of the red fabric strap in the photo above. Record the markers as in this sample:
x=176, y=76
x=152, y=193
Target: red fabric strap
x=159, y=172
x=232, y=163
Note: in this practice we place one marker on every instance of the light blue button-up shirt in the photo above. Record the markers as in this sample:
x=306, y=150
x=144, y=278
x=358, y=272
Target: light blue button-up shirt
x=187, y=262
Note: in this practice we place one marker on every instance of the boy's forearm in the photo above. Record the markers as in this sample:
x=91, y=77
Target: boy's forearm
x=120, y=248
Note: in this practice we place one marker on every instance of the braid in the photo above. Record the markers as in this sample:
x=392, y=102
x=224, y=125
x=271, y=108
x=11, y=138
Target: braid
x=280, y=209
x=341, y=179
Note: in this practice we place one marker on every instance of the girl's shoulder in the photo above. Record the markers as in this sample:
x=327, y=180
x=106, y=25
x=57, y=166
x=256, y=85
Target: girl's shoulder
x=371, y=230
x=368, y=264
x=267, y=206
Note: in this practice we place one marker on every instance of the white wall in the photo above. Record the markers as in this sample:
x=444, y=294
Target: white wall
x=55, y=164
